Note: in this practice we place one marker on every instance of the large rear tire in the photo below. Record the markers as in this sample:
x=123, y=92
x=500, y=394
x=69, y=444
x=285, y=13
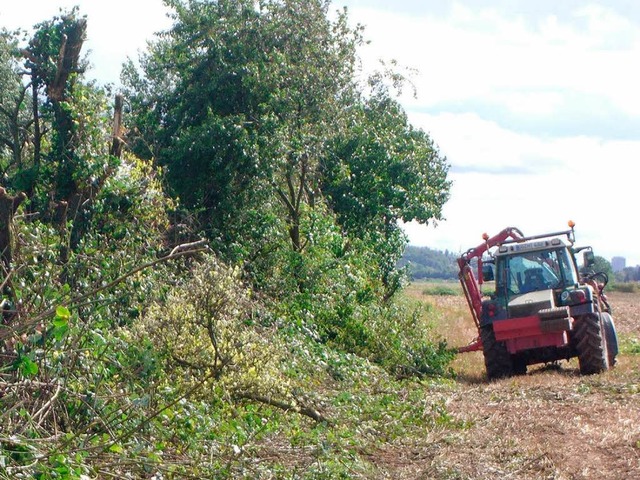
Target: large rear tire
x=611, y=338
x=591, y=344
x=497, y=359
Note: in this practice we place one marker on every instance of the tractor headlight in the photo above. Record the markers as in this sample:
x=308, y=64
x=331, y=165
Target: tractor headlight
x=574, y=297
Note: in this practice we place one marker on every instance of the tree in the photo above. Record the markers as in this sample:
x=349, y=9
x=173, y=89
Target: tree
x=257, y=104
x=270, y=141
x=53, y=59
x=602, y=265
x=383, y=171
x=238, y=101
x=15, y=110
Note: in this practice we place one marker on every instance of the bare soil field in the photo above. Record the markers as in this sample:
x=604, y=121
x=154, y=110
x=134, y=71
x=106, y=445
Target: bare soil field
x=549, y=424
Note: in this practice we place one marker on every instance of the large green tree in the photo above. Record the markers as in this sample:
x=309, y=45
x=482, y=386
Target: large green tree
x=238, y=101
x=256, y=111
x=383, y=171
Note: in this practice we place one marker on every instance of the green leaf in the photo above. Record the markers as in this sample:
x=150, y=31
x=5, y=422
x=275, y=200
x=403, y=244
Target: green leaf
x=116, y=448
x=62, y=317
x=27, y=367
x=62, y=312
x=60, y=331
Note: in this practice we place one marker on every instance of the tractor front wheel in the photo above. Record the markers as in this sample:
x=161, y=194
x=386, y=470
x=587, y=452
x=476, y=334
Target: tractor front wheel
x=497, y=359
x=591, y=345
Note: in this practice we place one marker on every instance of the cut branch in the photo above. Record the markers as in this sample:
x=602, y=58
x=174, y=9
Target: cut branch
x=287, y=407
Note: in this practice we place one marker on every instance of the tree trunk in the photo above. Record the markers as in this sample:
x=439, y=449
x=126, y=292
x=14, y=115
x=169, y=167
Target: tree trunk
x=37, y=135
x=8, y=207
x=118, y=142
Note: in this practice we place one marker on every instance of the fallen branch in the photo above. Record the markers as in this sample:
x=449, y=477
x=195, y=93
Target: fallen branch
x=287, y=407
x=187, y=246
x=42, y=413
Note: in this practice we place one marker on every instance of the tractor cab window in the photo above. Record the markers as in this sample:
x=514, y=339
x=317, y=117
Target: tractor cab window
x=532, y=271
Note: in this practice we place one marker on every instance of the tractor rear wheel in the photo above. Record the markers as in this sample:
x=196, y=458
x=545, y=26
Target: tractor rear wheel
x=591, y=345
x=497, y=359
x=611, y=338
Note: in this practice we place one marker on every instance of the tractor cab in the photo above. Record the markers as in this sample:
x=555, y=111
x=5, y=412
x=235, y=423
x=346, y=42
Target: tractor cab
x=522, y=268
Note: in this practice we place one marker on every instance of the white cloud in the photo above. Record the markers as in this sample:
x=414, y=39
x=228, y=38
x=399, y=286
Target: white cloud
x=471, y=142
x=607, y=28
x=520, y=105
x=479, y=53
x=587, y=180
x=116, y=29
x=536, y=103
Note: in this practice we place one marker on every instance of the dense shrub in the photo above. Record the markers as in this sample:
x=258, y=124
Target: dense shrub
x=65, y=360
x=206, y=333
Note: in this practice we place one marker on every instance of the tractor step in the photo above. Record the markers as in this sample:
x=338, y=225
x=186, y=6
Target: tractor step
x=554, y=312
x=555, y=319
x=555, y=324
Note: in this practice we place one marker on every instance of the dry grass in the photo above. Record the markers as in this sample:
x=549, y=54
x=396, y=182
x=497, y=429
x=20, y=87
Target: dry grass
x=550, y=424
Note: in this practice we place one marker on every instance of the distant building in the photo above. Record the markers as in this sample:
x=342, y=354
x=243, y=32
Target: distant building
x=618, y=264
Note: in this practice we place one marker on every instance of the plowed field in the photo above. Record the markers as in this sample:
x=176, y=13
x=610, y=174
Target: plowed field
x=549, y=424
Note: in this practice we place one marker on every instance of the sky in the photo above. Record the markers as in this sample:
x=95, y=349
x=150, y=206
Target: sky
x=535, y=104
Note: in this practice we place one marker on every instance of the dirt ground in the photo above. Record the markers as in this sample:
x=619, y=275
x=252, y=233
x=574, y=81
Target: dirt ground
x=549, y=424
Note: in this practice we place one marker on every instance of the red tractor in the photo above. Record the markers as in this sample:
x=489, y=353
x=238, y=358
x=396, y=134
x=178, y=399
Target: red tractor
x=543, y=309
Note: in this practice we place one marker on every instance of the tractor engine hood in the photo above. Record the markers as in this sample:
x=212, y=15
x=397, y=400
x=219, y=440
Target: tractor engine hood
x=530, y=303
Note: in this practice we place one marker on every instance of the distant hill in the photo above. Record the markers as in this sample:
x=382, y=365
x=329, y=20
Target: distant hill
x=424, y=263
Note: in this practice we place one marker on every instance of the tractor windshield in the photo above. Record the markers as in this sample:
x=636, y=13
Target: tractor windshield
x=534, y=270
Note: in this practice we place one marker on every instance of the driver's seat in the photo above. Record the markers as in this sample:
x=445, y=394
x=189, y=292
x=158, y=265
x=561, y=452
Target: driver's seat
x=533, y=280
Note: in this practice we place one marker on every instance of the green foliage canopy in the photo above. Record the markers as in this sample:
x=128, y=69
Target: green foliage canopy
x=602, y=265
x=256, y=111
x=238, y=101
